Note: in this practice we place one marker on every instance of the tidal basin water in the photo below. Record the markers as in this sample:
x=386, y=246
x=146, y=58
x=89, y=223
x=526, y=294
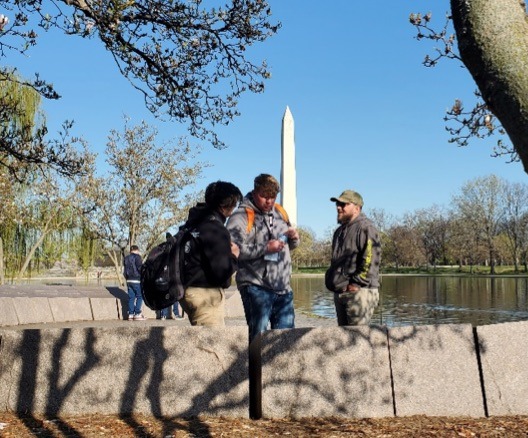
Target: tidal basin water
x=413, y=300
x=423, y=300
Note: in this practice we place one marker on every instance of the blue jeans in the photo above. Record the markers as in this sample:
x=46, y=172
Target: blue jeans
x=265, y=307
x=135, y=299
x=165, y=313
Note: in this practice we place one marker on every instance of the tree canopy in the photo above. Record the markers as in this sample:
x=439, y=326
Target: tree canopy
x=492, y=42
x=189, y=59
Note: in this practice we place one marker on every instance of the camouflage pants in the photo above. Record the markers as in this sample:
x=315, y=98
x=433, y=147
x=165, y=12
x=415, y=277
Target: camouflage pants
x=356, y=308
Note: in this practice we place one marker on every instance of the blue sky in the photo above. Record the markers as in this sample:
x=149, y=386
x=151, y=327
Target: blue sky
x=368, y=116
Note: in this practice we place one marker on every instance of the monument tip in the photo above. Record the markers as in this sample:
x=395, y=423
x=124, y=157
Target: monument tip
x=287, y=112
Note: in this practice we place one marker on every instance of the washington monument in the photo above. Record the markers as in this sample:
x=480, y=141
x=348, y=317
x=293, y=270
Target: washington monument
x=288, y=178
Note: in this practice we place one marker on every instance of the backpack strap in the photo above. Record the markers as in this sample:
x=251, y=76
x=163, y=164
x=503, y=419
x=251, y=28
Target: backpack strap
x=251, y=216
x=283, y=213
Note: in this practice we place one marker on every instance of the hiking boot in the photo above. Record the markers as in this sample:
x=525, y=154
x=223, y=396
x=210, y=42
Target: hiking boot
x=139, y=317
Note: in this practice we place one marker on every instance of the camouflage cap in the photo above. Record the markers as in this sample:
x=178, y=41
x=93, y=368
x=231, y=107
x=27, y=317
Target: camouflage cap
x=349, y=196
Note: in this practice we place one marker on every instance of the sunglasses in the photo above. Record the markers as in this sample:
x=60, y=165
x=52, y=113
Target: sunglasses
x=341, y=204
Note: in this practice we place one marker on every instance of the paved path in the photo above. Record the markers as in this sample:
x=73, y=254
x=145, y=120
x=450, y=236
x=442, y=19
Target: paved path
x=61, y=289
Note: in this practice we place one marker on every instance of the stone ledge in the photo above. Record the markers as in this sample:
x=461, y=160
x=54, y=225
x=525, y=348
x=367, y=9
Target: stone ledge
x=8, y=315
x=435, y=371
x=321, y=372
x=170, y=371
x=503, y=352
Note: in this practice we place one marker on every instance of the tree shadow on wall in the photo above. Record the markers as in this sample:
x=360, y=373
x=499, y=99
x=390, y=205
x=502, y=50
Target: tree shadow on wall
x=58, y=388
x=149, y=355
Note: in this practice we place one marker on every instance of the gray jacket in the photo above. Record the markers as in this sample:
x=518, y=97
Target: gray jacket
x=252, y=267
x=356, y=256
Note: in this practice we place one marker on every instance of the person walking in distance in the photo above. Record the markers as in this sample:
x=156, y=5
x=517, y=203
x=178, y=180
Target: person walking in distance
x=353, y=274
x=132, y=273
x=261, y=229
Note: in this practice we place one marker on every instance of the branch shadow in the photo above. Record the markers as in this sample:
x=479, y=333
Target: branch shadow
x=330, y=357
x=29, y=352
x=315, y=373
x=148, y=357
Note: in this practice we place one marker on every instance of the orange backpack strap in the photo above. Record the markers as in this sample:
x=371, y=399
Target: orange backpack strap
x=283, y=213
x=251, y=216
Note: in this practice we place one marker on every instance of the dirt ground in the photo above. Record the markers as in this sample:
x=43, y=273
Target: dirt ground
x=144, y=426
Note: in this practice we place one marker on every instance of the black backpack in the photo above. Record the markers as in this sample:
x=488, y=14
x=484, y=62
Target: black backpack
x=162, y=272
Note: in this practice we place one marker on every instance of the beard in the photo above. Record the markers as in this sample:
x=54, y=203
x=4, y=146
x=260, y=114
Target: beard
x=343, y=218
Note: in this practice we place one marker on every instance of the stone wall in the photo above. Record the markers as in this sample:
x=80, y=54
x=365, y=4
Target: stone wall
x=364, y=372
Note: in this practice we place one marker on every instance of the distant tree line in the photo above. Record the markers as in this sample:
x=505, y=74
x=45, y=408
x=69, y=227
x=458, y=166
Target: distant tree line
x=91, y=221
x=486, y=224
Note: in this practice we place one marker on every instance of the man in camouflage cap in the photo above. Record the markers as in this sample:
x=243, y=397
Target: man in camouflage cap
x=353, y=275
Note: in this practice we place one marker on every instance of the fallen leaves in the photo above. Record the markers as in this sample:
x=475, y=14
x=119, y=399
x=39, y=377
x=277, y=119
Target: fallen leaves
x=20, y=426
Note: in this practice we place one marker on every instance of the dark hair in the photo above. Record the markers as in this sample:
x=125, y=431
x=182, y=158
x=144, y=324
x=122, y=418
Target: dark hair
x=267, y=185
x=221, y=194
x=134, y=248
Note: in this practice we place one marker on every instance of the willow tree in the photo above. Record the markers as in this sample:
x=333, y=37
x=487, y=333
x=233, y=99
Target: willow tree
x=7, y=212
x=52, y=205
x=23, y=132
x=19, y=115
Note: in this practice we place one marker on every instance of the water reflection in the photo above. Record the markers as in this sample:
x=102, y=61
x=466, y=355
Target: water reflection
x=412, y=300
x=419, y=300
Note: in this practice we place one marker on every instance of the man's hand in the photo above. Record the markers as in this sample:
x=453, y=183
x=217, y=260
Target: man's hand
x=352, y=288
x=275, y=245
x=292, y=234
x=235, y=250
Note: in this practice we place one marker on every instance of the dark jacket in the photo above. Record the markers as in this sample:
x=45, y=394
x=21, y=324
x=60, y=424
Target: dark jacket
x=132, y=267
x=356, y=256
x=208, y=258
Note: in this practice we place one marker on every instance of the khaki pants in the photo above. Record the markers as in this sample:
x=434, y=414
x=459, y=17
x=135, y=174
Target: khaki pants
x=204, y=306
x=356, y=308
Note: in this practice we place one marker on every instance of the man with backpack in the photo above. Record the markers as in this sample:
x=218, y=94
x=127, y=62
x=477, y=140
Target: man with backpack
x=132, y=273
x=210, y=259
x=261, y=229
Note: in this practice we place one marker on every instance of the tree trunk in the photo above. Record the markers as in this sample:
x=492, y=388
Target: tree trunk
x=46, y=229
x=118, y=266
x=492, y=40
x=2, y=267
x=492, y=261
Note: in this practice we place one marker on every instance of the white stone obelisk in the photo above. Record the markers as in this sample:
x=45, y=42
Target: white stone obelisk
x=288, y=177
